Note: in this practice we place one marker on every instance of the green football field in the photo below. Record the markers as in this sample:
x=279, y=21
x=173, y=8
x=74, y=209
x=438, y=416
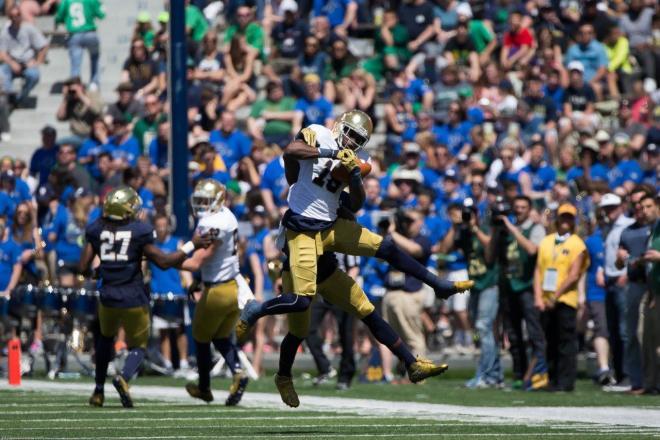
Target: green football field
x=438, y=409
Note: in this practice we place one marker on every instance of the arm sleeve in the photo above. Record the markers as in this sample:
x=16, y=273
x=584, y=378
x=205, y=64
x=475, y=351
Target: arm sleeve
x=61, y=12
x=99, y=9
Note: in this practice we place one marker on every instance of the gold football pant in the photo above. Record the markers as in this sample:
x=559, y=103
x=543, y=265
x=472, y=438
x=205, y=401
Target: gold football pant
x=345, y=236
x=339, y=289
x=135, y=321
x=216, y=312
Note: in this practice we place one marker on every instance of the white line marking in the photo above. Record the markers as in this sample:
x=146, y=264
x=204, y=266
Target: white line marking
x=603, y=416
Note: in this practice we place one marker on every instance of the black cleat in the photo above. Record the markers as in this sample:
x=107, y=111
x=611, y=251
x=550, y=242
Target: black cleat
x=194, y=391
x=237, y=389
x=96, y=399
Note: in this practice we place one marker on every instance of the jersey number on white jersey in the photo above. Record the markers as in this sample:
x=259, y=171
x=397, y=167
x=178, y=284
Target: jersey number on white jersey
x=323, y=178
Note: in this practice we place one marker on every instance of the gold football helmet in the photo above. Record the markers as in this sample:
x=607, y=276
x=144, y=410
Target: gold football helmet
x=353, y=129
x=208, y=197
x=122, y=204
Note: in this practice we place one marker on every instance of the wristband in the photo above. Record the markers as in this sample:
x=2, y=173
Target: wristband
x=328, y=153
x=188, y=247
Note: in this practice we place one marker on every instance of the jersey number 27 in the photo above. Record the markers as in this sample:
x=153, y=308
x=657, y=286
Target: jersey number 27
x=109, y=240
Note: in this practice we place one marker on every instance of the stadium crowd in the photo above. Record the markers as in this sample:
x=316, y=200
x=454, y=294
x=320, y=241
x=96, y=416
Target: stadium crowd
x=516, y=144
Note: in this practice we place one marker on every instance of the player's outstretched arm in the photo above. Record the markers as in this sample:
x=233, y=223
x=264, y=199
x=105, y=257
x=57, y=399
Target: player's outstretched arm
x=174, y=259
x=304, y=147
x=193, y=263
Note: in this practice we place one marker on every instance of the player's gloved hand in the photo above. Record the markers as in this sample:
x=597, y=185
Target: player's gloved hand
x=348, y=159
x=202, y=241
x=309, y=136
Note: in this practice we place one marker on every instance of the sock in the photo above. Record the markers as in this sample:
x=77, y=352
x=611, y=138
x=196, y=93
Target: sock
x=104, y=348
x=400, y=260
x=133, y=362
x=228, y=351
x=167, y=363
x=288, y=350
x=280, y=305
x=385, y=334
x=204, y=364
x=183, y=364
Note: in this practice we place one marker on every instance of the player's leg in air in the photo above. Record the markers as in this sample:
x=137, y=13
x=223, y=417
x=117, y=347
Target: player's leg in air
x=135, y=322
x=340, y=289
x=347, y=237
x=215, y=316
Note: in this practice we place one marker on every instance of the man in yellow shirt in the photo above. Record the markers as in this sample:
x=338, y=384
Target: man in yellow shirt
x=561, y=262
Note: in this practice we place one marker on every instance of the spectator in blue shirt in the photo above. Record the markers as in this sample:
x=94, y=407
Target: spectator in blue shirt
x=44, y=157
x=455, y=134
x=158, y=147
x=311, y=60
x=135, y=180
x=589, y=168
x=207, y=157
x=595, y=296
x=627, y=171
x=537, y=178
x=591, y=53
x=123, y=146
x=93, y=146
x=274, y=187
x=313, y=107
x=341, y=14
x=66, y=234
x=168, y=315
x=230, y=142
x=10, y=261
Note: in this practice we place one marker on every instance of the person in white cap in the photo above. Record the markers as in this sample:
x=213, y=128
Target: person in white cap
x=579, y=96
x=615, y=279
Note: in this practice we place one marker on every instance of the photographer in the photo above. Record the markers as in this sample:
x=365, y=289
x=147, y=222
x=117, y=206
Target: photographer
x=405, y=300
x=483, y=299
x=80, y=108
x=457, y=245
x=515, y=247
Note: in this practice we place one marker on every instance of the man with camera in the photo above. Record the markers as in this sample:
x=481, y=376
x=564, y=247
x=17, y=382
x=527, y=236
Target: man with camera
x=514, y=247
x=80, y=108
x=483, y=303
x=406, y=299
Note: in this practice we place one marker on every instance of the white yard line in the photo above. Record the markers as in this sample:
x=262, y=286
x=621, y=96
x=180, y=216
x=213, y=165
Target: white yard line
x=603, y=416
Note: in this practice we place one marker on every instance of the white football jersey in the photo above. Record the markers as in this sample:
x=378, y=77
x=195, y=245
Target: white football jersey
x=223, y=264
x=316, y=194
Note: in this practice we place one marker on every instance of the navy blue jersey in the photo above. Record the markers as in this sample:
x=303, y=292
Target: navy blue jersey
x=120, y=248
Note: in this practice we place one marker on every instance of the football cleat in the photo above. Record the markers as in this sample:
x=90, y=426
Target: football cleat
x=538, y=381
x=194, y=391
x=122, y=389
x=237, y=389
x=456, y=287
x=287, y=391
x=96, y=399
x=424, y=368
x=243, y=325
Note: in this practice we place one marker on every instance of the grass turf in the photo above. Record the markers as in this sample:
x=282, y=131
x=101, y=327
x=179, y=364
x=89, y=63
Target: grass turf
x=25, y=414
x=448, y=389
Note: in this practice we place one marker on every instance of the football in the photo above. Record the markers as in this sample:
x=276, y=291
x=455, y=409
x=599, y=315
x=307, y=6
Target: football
x=340, y=173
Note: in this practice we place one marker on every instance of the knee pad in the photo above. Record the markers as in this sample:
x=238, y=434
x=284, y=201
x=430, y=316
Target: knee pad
x=387, y=248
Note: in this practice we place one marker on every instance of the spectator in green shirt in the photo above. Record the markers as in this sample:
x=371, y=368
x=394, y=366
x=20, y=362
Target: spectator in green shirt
x=146, y=128
x=196, y=24
x=390, y=47
x=245, y=25
x=79, y=17
x=481, y=35
x=144, y=30
x=271, y=119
